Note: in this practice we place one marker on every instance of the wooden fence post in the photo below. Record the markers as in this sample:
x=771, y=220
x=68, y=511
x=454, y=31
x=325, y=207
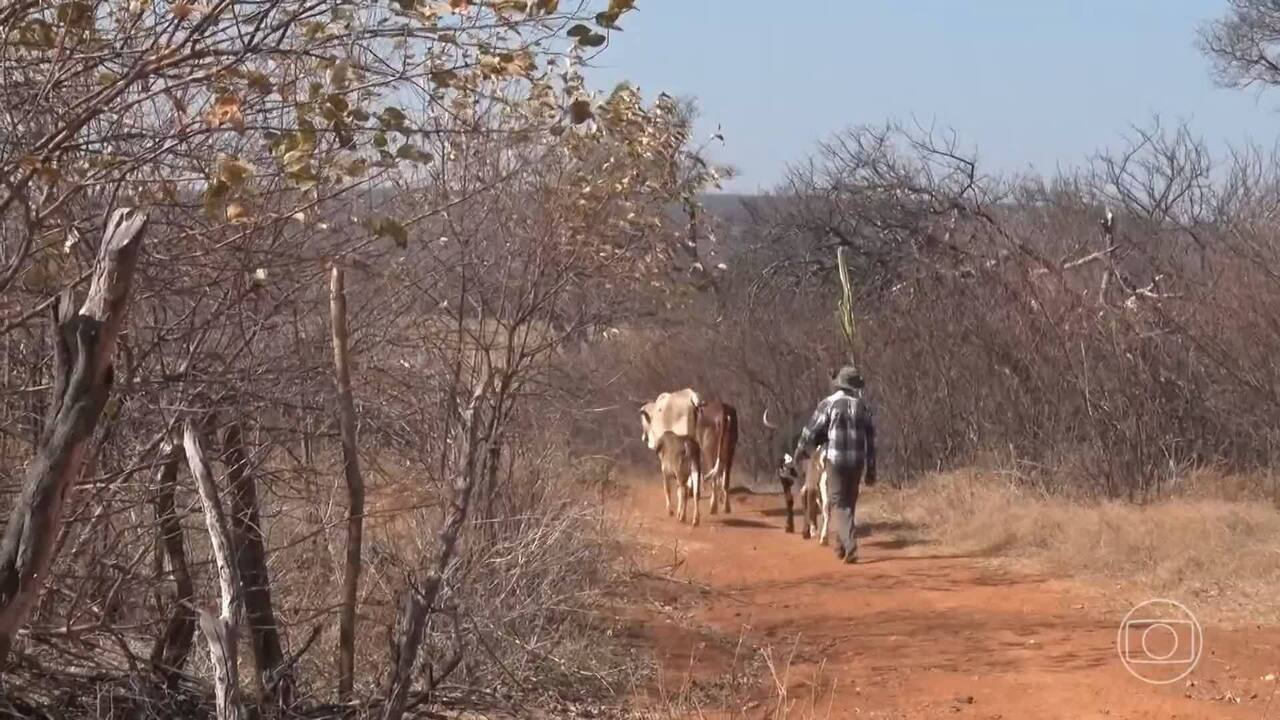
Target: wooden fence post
x=355, y=484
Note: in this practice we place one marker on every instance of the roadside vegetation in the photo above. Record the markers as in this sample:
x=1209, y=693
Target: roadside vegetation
x=325, y=326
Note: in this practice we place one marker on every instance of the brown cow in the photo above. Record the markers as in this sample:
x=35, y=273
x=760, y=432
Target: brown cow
x=714, y=424
x=718, y=436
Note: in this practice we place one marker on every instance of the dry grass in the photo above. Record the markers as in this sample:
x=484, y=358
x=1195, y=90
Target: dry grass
x=1212, y=544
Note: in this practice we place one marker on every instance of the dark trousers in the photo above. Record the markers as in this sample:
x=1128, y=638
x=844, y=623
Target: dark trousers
x=843, y=484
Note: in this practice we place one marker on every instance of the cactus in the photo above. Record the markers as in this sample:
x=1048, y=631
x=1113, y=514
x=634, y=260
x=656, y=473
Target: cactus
x=844, y=313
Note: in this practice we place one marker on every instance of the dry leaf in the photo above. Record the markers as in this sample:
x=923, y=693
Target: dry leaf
x=183, y=9
x=237, y=212
x=580, y=111
x=226, y=111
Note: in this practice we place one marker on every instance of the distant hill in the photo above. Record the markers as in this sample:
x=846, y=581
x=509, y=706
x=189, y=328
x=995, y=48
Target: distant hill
x=730, y=207
x=731, y=223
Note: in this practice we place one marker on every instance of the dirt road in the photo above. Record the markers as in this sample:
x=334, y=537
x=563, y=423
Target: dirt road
x=908, y=632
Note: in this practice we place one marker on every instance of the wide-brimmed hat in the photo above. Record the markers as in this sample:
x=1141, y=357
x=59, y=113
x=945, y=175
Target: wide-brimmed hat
x=848, y=379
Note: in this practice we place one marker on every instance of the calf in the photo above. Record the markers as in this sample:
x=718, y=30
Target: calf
x=816, y=483
x=782, y=444
x=681, y=460
x=814, y=494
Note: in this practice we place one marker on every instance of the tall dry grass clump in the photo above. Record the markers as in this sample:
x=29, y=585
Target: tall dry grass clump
x=1215, y=552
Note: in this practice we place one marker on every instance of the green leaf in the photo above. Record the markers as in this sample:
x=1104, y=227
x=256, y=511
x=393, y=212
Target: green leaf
x=296, y=159
x=338, y=75
x=409, y=151
x=608, y=19
x=391, y=228
x=393, y=118
x=304, y=178
x=259, y=82
x=510, y=6
x=338, y=102
x=356, y=168
x=233, y=171
x=76, y=14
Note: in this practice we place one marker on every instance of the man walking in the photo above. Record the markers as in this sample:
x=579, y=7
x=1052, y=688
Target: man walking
x=843, y=422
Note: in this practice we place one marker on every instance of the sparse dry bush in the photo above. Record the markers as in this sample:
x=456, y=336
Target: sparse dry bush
x=483, y=209
x=1102, y=333
x=1215, y=553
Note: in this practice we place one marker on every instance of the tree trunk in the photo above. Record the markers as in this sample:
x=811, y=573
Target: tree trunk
x=219, y=631
x=411, y=622
x=355, y=486
x=251, y=559
x=84, y=343
x=169, y=655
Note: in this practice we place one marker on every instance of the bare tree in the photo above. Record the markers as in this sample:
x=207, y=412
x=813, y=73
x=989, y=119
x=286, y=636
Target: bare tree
x=1242, y=44
x=221, y=631
x=251, y=558
x=84, y=347
x=173, y=646
x=487, y=207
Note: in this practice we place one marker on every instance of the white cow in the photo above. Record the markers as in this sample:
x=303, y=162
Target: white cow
x=674, y=415
x=675, y=412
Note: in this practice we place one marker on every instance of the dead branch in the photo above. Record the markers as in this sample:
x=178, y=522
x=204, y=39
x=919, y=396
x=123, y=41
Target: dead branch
x=169, y=655
x=220, y=631
x=417, y=602
x=84, y=344
x=251, y=557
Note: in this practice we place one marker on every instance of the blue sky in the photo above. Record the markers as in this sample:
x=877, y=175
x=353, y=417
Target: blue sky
x=1029, y=83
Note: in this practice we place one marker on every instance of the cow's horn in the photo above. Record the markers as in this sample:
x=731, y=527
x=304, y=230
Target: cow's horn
x=768, y=424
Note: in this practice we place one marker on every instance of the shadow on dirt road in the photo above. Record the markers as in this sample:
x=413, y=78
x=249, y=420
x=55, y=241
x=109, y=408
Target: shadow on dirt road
x=910, y=632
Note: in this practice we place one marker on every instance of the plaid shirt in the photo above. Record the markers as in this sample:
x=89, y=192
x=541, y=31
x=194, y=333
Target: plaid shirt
x=843, y=423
